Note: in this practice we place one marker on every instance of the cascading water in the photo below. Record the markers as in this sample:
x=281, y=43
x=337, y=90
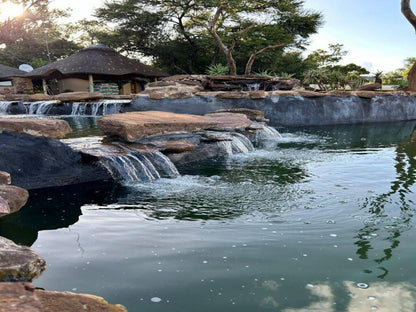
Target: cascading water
x=40, y=107
x=4, y=106
x=163, y=163
x=266, y=136
x=237, y=143
x=104, y=107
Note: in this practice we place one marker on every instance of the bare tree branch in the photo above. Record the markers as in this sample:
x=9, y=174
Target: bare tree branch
x=255, y=54
x=408, y=13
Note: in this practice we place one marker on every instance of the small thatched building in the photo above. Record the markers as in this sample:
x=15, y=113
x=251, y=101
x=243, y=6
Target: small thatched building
x=11, y=81
x=96, y=68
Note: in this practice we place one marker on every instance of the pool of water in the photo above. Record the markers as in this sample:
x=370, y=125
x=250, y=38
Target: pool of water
x=320, y=220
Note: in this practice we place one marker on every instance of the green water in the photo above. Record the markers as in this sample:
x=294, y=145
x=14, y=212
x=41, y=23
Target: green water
x=295, y=227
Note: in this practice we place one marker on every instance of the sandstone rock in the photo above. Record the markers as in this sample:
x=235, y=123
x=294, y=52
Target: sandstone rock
x=78, y=96
x=258, y=94
x=365, y=94
x=23, y=297
x=5, y=178
x=286, y=83
x=284, y=93
x=233, y=95
x=16, y=197
x=251, y=114
x=179, y=95
x=229, y=121
x=370, y=87
x=19, y=262
x=174, y=146
x=310, y=94
x=42, y=127
x=176, y=86
x=40, y=97
x=12, y=97
x=138, y=125
x=4, y=207
x=340, y=93
x=156, y=95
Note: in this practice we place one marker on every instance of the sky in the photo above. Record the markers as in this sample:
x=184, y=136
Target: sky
x=374, y=32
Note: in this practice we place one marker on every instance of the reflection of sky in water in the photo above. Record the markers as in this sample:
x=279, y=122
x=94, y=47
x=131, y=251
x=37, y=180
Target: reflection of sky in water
x=296, y=227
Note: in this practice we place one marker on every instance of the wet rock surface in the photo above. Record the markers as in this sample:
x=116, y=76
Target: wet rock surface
x=251, y=114
x=23, y=297
x=14, y=196
x=228, y=121
x=19, y=262
x=41, y=127
x=4, y=207
x=42, y=162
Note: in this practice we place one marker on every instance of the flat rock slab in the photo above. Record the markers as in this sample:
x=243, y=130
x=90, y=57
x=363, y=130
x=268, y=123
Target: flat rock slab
x=5, y=178
x=138, y=125
x=251, y=114
x=15, y=197
x=23, y=297
x=229, y=121
x=78, y=96
x=19, y=262
x=40, y=127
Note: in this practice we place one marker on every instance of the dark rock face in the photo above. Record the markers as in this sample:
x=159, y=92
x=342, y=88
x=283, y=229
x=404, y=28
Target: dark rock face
x=41, y=162
x=19, y=262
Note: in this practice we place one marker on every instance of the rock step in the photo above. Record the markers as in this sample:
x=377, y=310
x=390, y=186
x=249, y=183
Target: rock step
x=40, y=127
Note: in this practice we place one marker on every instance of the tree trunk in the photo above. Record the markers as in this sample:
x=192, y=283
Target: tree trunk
x=408, y=13
x=411, y=79
x=253, y=56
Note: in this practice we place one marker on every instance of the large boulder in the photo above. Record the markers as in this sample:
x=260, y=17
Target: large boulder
x=78, y=96
x=41, y=127
x=19, y=262
x=15, y=197
x=35, y=162
x=138, y=125
x=229, y=121
x=24, y=297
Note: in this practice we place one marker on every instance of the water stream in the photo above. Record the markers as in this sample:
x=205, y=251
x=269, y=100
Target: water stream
x=323, y=220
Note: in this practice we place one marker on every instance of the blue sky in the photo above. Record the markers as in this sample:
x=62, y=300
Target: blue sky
x=374, y=32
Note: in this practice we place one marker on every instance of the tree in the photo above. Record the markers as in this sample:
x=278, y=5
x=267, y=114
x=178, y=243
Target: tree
x=33, y=35
x=329, y=57
x=204, y=32
x=411, y=17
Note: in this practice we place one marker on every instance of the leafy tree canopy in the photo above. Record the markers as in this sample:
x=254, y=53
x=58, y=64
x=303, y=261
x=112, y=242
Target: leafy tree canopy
x=177, y=33
x=33, y=37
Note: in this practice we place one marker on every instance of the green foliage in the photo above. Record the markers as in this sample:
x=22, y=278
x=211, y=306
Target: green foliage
x=38, y=62
x=333, y=79
x=33, y=36
x=217, y=70
x=265, y=73
x=329, y=57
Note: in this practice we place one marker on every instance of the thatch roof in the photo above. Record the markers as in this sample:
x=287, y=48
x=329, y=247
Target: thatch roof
x=96, y=60
x=8, y=72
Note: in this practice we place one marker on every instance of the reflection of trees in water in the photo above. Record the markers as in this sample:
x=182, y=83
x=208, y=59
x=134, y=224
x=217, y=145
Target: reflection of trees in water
x=400, y=189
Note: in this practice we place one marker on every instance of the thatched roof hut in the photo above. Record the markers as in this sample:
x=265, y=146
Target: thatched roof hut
x=97, y=62
x=7, y=72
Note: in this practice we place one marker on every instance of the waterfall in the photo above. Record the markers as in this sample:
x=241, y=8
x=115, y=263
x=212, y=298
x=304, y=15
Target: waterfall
x=40, y=107
x=266, y=136
x=237, y=143
x=104, y=107
x=163, y=163
x=253, y=86
x=130, y=168
x=4, y=106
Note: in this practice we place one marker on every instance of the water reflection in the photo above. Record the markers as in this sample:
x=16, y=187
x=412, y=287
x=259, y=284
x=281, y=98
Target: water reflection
x=51, y=208
x=393, y=211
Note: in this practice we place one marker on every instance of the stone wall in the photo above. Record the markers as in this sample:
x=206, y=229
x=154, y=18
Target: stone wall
x=295, y=110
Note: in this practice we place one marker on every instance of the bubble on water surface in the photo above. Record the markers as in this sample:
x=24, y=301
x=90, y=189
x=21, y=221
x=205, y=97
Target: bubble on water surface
x=362, y=285
x=155, y=299
x=371, y=298
x=333, y=235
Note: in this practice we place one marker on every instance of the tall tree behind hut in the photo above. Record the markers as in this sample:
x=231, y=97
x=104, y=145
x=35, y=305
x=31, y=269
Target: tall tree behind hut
x=33, y=37
x=186, y=36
